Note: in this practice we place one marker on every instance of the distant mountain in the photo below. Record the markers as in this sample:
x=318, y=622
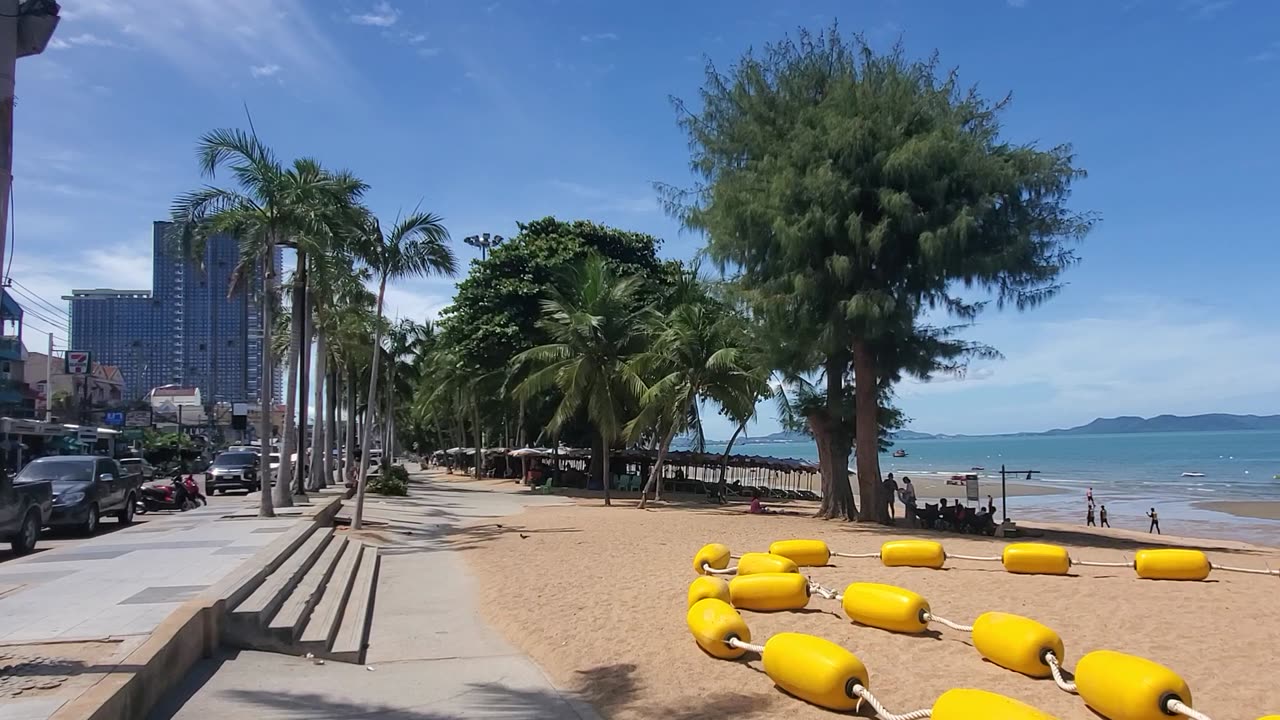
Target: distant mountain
x=1213, y=422
x=913, y=435
x=773, y=438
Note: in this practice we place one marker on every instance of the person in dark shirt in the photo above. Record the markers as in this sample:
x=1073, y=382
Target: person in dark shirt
x=1102, y=517
x=1089, y=516
x=1155, y=522
x=890, y=491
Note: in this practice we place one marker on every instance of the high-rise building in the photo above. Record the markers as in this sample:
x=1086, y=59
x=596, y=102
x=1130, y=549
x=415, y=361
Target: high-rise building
x=193, y=328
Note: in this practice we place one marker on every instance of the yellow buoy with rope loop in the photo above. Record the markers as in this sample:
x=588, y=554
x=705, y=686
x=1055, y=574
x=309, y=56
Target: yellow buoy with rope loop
x=708, y=586
x=913, y=553
x=804, y=553
x=714, y=556
x=886, y=607
x=769, y=592
x=1036, y=559
x=715, y=626
x=1016, y=643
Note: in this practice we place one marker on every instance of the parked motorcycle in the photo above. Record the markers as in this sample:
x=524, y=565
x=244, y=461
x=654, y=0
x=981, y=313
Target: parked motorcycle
x=171, y=495
x=193, y=490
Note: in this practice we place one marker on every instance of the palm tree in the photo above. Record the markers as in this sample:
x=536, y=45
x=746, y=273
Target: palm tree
x=698, y=354
x=270, y=205
x=595, y=330
x=339, y=295
x=417, y=245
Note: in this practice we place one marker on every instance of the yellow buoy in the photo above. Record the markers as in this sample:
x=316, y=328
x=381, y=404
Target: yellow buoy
x=708, y=586
x=912, y=553
x=1036, y=559
x=715, y=555
x=767, y=592
x=974, y=704
x=1016, y=643
x=1270, y=717
x=805, y=553
x=713, y=624
x=886, y=607
x=1171, y=564
x=1127, y=687
x=815, y=670
x=753, y=563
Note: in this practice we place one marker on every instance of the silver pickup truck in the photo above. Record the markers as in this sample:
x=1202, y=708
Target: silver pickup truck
x=24, y=509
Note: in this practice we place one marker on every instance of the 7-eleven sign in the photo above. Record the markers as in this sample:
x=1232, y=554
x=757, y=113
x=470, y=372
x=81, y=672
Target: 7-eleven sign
x=77, y=362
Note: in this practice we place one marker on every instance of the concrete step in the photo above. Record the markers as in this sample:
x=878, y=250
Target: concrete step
x=259, y=607
x=322, y=626
x=288, y=622
x=353, y=632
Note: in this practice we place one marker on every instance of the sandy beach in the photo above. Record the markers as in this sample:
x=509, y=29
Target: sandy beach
x=1261, y=509
x=596, y=596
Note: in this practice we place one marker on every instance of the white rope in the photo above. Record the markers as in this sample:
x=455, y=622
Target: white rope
x=824, y=592
x=735, y=642
x=1056, y=669
x=1253, y=571
x=930, y=617
x=1095, y=563
x=706, y=567
x=979, y=558
x=1177, y=706
x=858, y=556
x=866, y=696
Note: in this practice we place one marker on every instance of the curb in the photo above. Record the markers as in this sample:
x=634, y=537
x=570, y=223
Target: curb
x=190, y=633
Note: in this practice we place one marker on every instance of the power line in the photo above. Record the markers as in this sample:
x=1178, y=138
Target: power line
x=28, y=291
x=26, y=294
x=47, y=321
x=57, y=313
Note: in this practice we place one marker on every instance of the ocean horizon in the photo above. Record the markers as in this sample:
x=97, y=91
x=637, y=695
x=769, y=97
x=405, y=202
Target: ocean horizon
x=1129, y=473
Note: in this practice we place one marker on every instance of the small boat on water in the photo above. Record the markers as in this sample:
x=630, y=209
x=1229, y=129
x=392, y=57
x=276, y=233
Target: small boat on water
x=899, y=453
x=1192, y=474
x=977, y=468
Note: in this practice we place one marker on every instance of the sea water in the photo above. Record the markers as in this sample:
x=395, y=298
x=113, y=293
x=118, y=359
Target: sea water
x=1129, y=473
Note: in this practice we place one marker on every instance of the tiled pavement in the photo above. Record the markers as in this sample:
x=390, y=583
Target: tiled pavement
x=124, y=583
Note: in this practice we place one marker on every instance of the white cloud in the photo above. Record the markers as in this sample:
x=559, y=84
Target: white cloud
x=597, y=199
x=415, y=38
x=209, y=38
x=264, y=71
x=1271, y=52
x=429, y=51
x=1205, y=9
x=382, y=15
x=418, y=300
x=81, y=40
x=599, y=37
x=1151, y=355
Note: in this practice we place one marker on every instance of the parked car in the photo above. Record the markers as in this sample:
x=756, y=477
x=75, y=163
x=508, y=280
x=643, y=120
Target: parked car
x=233, y=471
x=24, y=510
x=139, y=466
x=85, y=488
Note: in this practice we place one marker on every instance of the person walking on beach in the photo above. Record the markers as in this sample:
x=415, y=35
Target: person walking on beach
x=1088, y=518
x=1089, y=496
x=890, y=490
x=1155, y=522
x=1102, y=517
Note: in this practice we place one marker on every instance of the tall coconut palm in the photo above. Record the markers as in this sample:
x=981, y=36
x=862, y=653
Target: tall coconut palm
x=698, y=355
x=337, y=288
x=595, y=330
x=415, y=246
x=269, y=205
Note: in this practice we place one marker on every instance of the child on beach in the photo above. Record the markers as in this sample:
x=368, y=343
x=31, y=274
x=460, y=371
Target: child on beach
x=1089, y=516
x=756, y=507
x=1102, y=517
x=1155, y=522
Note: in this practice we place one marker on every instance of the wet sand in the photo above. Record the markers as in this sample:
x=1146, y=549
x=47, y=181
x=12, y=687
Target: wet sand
x=596, y=596
x=1258, y=509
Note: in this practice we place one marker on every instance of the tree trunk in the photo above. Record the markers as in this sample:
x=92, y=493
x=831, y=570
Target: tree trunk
x=304, y=383
x=655, y=477
x=318, y=442
x=520, y=435
x=357, y=517
x=830, y=428
x=288, y=436
x=723, y=484
x=349, y=452
x=478, y=432
x=867, y=432
x=595, y=471
x=605, y=444
x=330, y=425
x=265, y=507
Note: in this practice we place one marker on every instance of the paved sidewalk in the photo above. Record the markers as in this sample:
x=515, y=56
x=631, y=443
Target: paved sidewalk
x=69, y=613
x=430, y=656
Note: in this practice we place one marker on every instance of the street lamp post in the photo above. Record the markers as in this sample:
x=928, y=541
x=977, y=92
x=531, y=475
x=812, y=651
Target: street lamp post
x=484, y=241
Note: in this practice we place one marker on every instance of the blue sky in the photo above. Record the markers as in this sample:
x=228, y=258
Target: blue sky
x=494, y=112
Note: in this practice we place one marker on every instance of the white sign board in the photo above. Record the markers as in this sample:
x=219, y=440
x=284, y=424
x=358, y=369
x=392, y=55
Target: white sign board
x=971, y=488
x=78, y=362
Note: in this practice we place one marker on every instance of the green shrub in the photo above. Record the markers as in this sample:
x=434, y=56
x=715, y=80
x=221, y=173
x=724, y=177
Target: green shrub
x=392, y=480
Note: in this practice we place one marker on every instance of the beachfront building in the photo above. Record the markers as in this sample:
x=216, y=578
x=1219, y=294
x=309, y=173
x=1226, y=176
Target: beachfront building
x=192, y=328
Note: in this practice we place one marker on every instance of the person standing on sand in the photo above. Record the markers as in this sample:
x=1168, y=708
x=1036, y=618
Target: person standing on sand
x=890, y=490
x=908, y=495
x=1155, y=522
x=1102, y=517
x=1089, y=496
x=1088, y=518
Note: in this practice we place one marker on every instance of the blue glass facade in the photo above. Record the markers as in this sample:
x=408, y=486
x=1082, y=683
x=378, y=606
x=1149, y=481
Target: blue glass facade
x=192, y=329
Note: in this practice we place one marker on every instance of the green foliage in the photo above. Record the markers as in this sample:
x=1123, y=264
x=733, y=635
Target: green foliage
x=392, y=480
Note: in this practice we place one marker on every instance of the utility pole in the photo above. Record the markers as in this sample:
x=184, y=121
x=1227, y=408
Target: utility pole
x=25, y=29
x=48, y=383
